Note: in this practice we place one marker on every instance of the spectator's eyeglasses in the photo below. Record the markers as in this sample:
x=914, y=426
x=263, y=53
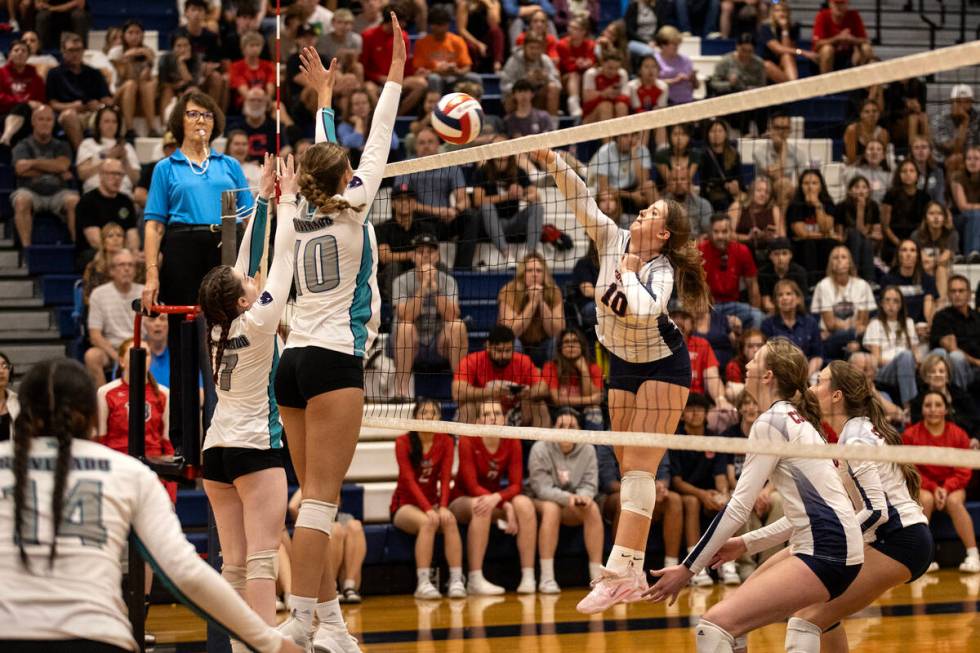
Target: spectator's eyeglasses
x=724, y=263
x=198, y=115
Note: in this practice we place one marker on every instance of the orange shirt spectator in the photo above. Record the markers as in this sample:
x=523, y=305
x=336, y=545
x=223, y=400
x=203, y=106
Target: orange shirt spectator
x=433, y=53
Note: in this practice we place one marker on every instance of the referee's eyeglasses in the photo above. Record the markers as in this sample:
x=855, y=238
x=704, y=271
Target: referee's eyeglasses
x=193, y=114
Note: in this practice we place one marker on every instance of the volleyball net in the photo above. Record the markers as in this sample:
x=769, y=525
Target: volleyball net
x=458, y=230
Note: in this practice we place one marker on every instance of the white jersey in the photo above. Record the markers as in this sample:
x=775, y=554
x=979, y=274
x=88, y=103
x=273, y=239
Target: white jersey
x=633, y=322
x=107, y=495
x=246, y=414
x=877, y=489
x=337, y=301
x=819, y=519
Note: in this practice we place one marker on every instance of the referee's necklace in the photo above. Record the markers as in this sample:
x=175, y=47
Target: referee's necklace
x=199, y=168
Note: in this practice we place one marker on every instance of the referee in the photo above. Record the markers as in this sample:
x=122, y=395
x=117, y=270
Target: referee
x=182, y=238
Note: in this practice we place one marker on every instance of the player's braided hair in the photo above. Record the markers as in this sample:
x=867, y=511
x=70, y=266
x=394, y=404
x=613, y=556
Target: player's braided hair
x=321, y=170
x=218, y=299
x=790, y=368
x=691, y=284
x=58, y=400
x=860, y=400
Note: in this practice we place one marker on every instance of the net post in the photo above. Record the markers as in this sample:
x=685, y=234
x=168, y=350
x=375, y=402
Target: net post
x=135, y=599
x=229, y=225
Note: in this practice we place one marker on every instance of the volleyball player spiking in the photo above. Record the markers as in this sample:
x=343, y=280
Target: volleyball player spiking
x=320, y=381
x=898, y=544
x=650, y=369
x=244, y=476
x=825, y=546
x=64, y=526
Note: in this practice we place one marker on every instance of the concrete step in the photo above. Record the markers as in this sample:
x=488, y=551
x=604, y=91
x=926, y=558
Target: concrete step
x=20, y=303
x=24, y=355
x=13, y=272
x=10, y=321
x=40, y=336
x=9, y=259
x=17, y=289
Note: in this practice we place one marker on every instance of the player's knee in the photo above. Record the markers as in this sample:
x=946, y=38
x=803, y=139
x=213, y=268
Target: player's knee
x=802, y=636
x=354, y=527
x=262, y=565
x=316, y=515
x=234, y=576
x=711, y=638
x=638, y=493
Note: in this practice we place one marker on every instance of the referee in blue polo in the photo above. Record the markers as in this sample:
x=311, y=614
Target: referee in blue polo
x=183, y=224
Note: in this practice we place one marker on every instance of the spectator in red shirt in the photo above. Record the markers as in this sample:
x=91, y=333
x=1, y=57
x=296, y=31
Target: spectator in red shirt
x=705, y=378
x=376, y=56
x=576, y=54
x=574, y=380
x=944, y=488
x=21, y=91
x=419, y=505
x=839, y=37
x=749, y=343
x=499, y=373
x=251, y=71
x=728, y=263
x=538, y=25
x=480, y=499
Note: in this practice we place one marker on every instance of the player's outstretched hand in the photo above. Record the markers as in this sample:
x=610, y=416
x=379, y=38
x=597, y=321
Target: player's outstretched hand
x=672, y=580
x=289, y=176
x=267, y=182
x=543, y=157
x=399, y=53
x=317, y=77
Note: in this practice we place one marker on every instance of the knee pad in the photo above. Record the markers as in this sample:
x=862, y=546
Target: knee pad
x=710, y=638
x=262, y=565
x=802, y=636
x=316, y=515
x=638, y=493
x=234, y=576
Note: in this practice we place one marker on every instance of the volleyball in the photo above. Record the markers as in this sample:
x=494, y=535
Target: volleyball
x=458, y=118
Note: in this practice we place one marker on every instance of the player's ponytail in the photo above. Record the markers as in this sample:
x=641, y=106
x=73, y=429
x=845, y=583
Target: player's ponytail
x=690, y=282
x=322, y=169
x=861, y=400
x=790, y=368
x=218, y=299
x=58, y=399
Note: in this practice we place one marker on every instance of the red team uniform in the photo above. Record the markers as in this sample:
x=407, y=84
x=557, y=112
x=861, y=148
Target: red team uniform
x=481, y=472
x=572, y=59
x=427, y=485
x=702, y=357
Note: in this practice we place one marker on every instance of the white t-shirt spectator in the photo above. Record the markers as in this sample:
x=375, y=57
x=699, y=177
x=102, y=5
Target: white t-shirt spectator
x=89, y=149
x=429, y=321
x=111, y=311
x=321, y=20
x=890, y=339
x=843, y=302
x=588, y=81
x=617, y=166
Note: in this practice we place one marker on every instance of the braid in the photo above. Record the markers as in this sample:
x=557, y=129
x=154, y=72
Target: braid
x=64, y=424
x=220, y=346
x=218, y=299
x=322, y=169
x=23, y=433
x=326, y=202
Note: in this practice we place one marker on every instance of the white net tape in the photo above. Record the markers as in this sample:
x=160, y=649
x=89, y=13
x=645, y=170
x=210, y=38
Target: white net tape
x=946, y=456
x=916, y=65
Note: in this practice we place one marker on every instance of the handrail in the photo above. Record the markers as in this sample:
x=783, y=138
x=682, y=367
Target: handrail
x=877, y=38
x=933, y=26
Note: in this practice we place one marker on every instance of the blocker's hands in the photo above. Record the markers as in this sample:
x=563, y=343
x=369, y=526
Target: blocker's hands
x=267, y=182
x=289, y=175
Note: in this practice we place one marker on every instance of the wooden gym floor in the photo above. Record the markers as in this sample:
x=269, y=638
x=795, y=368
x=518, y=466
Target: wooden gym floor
x=936, y=614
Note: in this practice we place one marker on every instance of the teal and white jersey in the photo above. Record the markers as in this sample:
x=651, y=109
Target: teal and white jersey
x=247, y=415
x=107, y=495
x=337, y=302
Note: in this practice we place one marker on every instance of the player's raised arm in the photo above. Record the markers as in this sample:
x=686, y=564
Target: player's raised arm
x=250, y=251
x=578, y=198
x=322, y=80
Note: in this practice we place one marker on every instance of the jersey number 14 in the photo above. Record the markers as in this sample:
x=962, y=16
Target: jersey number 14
x=81, y=514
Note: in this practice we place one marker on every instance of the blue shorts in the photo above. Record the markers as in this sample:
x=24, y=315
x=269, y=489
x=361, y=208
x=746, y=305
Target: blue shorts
x=835, y=576
x=912, y=546
x=674, y=369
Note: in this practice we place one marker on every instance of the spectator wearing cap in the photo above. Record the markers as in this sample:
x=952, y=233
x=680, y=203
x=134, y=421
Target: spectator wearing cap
x=955, y=130
x=741, y=70
x=700, y=477
x=427, y=325
x=792, y=320
x=443, y=205
x=839, y=37
x=395, y=250
x=168, y=145
x=728, y=264
x=442, y=57
x=779, y=266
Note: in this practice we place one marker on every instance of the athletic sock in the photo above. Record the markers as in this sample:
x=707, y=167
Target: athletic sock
x=670, y=561
x=302, y=608
x=526, y=573
x=595, y=570
x=972, y=552
x=639, y=557
x=620, y=559
x=455, y=573
x=547, y=569
x=349, y=584
x=424, y=575
x=329, y=612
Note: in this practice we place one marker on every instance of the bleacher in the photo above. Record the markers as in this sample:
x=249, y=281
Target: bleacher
x=817, y=129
